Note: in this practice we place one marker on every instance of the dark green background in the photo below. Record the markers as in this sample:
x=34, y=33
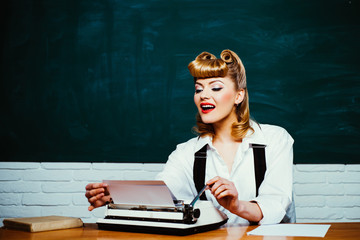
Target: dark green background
x=107, y=80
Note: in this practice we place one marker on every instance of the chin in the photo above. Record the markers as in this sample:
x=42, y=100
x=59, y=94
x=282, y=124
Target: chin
x=207, y=120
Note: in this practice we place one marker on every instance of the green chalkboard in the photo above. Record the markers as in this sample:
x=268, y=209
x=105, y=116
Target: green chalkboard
x=107, y=80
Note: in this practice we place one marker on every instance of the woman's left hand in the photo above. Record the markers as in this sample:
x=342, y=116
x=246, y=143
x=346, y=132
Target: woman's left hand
x=225, y=193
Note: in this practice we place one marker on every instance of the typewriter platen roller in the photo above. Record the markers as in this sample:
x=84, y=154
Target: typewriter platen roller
x=181, y=213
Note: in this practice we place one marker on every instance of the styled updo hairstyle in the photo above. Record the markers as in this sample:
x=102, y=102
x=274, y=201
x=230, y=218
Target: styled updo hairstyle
x=206, y=65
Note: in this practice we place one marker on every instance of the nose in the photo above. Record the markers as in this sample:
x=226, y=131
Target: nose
x=204, y=94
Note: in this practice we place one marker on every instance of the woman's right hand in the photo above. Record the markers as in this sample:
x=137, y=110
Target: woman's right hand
x=97, y=195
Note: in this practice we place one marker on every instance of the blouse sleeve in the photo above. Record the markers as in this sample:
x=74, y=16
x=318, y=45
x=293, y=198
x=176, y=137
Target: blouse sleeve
x=275, y=193
x=177, y=173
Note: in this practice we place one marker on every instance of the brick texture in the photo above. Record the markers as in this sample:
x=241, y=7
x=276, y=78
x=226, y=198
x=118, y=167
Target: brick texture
x=327, y=193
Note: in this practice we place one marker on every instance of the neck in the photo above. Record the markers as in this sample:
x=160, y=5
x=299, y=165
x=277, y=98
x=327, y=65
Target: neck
x=223, y=130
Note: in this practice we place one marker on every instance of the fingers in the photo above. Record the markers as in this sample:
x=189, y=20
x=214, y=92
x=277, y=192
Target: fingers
x=95, y=198
x=99, y=202
x=93, y=189
x=97, y=195
x=212, y=181
x=95, y=185
x=216, y=182
x=94, y=192
x=221, y=187
x=221, y=191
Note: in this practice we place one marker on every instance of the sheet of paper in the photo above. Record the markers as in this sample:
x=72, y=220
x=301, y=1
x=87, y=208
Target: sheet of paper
x=148, y=193
x=295, y=230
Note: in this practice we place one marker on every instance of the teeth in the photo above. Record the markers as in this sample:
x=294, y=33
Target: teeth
x=207, y=106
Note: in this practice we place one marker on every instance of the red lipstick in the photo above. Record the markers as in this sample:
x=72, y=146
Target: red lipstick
x=207, y=107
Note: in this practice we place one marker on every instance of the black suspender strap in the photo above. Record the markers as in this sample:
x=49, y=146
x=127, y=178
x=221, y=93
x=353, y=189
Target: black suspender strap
x=259, y=164
x=199, y=170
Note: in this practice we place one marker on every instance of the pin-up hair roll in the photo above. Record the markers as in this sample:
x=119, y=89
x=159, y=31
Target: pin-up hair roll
x=206, y=65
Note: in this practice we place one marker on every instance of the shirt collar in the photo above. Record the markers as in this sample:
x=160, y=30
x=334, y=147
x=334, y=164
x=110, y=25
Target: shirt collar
x=256, y=137
x=202, y=141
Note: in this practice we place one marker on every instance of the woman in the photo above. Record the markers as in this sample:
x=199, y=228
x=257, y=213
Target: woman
x=228, y=137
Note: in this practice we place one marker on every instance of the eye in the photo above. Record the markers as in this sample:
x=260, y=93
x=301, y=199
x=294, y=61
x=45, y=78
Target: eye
x=216, y=89
x=198, y=89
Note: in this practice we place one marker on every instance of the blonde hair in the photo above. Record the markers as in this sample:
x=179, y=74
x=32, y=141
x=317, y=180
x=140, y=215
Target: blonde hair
x=206, y=65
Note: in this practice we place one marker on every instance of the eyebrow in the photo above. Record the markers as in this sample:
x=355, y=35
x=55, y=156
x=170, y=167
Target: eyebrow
x=210, y=82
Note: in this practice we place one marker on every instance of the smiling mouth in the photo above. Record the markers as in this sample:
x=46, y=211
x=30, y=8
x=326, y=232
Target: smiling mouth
x=205, y=108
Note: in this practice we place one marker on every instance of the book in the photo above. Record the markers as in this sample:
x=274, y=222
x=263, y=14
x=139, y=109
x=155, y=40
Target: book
x=39, y=224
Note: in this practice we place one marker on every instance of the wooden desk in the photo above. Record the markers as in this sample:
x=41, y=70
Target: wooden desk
x=343, y=231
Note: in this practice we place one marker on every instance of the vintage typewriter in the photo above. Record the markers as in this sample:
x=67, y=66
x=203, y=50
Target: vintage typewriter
x=175, y=218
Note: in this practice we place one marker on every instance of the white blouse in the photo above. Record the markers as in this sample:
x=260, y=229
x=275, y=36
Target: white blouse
x=275, y=192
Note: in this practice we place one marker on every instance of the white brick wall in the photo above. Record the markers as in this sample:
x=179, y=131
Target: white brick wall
x=323, y=193
x=327, y=193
